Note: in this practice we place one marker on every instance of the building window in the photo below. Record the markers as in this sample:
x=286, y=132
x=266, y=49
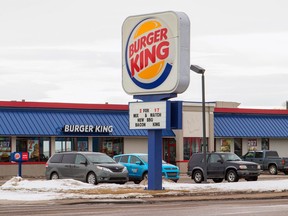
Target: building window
x=265, y=144
x=82, y=144
x=169, y=150
x=192, y=145
x=5, y=149
x=226, y=145
x=37, y=148
x=252, y=144
x=238, y=147
x=111, y=146
x=45, y=149
x=63, y=144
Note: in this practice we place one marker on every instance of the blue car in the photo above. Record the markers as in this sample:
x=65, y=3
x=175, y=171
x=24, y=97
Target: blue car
x=137, y=166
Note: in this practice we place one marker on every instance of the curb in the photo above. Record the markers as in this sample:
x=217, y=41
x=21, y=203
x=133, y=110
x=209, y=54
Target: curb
x=160, y=199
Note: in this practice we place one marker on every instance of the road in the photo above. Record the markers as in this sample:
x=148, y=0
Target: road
x=200, y=208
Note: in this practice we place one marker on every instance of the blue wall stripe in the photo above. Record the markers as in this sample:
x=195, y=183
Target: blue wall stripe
x=49, y=122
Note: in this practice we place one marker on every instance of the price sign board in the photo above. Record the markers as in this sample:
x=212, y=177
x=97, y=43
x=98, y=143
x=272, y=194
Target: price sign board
x=149, y=115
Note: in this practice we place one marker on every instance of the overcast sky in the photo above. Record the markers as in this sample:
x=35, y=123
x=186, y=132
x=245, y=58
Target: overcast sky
x=70, y=50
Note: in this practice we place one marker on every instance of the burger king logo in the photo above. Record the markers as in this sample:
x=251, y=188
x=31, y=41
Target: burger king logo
x=149, y=53
x=17, y=156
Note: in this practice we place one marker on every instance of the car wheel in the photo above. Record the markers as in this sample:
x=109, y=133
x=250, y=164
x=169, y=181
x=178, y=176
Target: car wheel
x=54, y=176
x=232, y=176
x=91, y=178
x=217, y=180
x=285, y=172
x=145, y=176
x=198, y=176
x=137, y=181
x=273, y=169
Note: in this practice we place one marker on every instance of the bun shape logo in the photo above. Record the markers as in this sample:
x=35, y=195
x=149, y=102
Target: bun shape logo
x=149, y=53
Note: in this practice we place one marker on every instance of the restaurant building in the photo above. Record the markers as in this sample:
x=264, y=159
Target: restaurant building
x=41, y=129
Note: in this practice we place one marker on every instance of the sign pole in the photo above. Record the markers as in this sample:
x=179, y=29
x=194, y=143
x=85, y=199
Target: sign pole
x=155, y=159
x=154, y=146
x=20, y=169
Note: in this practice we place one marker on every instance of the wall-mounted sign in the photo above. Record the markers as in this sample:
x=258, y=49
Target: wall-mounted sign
x=149, y=115
x=19, y=156
x=87, y=129
x=156, y=53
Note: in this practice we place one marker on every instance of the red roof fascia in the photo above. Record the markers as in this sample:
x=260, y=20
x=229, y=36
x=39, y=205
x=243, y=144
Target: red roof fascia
x=251, y=111
x=24, y=104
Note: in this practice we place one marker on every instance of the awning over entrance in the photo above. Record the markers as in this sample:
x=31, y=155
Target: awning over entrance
x=250, y=125
x=51, y=122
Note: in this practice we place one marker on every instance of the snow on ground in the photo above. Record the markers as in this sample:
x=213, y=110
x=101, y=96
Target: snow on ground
x=18, y=188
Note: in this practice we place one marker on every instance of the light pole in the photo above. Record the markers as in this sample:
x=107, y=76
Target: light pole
x=197, y=69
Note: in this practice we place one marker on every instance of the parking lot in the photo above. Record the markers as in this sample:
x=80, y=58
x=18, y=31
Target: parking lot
x=183, y=178
x=264, y=176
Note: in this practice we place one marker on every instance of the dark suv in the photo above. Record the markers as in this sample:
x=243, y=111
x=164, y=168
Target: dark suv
x=90, y=167
x=222, y=165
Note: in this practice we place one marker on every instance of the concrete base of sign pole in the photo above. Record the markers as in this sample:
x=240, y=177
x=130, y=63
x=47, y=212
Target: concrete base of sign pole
x=154, y=159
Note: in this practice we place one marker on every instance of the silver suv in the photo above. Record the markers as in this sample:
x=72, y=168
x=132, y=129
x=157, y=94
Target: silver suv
x=90, y=167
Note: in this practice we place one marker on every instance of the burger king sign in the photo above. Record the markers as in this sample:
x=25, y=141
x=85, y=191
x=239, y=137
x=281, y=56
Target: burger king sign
x=156, y=53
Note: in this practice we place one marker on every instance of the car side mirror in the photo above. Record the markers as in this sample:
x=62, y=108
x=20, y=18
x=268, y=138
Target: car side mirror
x=219, y=161
x=138, y=163
x=84, y=162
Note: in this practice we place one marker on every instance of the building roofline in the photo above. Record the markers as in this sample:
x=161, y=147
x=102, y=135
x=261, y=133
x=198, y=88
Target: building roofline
x=251, y=111
x=58, y=105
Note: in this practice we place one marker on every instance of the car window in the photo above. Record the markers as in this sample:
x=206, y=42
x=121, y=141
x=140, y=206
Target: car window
x=68, y=158
x=258, y=154
x=124, y=159
x=249, y=155
x=134, y=159
x=144, y=158
x=202, y=157
x=80, y=159
x=272, y=154
x=230, y=157
x=214, y=158
x=117, y=159
x=100, y=158
x=56, y=158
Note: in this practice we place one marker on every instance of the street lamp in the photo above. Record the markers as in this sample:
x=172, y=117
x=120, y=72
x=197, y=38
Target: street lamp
x=197, y=69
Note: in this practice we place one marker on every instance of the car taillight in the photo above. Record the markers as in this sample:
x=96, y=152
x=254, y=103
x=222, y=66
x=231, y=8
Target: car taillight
x=283, y=162
x=46, y=165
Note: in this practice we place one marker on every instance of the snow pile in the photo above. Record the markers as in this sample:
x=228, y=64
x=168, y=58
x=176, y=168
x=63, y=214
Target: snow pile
x=37, y=190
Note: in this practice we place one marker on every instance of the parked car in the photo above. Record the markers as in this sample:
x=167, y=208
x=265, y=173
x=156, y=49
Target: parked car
x=268, y=160
x=90, y=167
x=222, y=165
x=137, y=165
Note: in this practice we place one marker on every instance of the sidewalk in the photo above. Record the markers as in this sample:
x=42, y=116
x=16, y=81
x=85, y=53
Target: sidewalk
x=127, y=194
x=160, y=199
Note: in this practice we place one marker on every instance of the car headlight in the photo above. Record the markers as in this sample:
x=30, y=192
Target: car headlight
x=124, y=169
x=104, y=169
x=242, y=167
x=258, y=167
